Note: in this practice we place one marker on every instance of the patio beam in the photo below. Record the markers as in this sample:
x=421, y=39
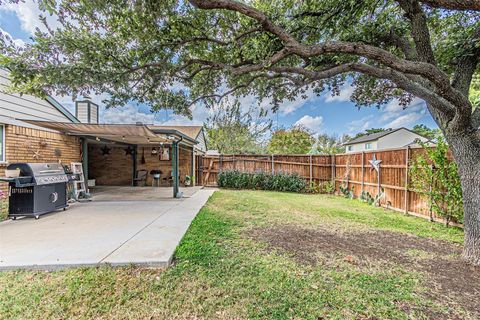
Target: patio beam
x=134, y=164
x=175, y=168
x=85, y=160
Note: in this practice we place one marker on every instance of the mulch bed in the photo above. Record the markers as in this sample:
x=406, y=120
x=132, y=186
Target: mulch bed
x=450, y=280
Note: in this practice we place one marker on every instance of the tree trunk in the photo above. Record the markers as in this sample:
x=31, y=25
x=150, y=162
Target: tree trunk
x=466, y=151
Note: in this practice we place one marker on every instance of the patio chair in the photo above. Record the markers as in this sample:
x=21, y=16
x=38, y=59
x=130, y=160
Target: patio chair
x=140, y=176
x=168, y=179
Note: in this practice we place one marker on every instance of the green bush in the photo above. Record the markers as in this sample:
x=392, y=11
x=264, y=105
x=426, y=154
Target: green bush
x=435, y=176
x=234, y=179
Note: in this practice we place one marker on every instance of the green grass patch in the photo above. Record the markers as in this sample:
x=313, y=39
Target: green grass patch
x=220, y=273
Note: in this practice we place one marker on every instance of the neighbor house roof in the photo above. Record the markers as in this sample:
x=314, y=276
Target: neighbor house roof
x=371, y=137
x=378, y=135
x=190, y=131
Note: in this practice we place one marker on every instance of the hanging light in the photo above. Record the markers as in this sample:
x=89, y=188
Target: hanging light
x=154, y=151
x=97, y=138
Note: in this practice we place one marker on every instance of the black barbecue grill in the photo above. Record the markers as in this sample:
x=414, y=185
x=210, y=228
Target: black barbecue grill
x=40, y=188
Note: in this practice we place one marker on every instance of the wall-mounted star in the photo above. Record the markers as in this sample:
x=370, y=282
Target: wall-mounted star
x=128, y=151
x=375, y=163
x=106, y=150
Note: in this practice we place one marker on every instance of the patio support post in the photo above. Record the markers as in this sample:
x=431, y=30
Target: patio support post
x=134, y=165
x=192, y=171
x=175, y=168
x=85, y=160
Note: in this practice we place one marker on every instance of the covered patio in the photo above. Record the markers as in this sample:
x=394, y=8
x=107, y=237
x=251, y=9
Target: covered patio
x=127, y=193
x=134, y=155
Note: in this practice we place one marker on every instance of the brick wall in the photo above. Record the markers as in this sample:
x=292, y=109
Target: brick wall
x=30, y=145
x=116, y=168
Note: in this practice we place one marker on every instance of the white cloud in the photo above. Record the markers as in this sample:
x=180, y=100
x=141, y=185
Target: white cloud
x=393, y=115
x=18, y=42
x=404, y=121
x=199, y=116
x=127, y=114
x=360, y=125
x=344, y=95
x=28, y=14
x=312, y=123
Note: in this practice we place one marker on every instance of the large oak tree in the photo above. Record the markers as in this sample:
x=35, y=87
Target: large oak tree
x=276, y=50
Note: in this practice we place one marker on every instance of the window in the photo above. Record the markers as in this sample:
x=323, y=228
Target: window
x=368, y=146
x=350, y=148
x=2, y=143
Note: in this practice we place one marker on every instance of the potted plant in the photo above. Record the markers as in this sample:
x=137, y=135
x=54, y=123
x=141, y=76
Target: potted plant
x=188, y=181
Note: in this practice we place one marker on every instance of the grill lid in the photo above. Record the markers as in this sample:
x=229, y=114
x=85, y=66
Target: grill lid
x=42, y=173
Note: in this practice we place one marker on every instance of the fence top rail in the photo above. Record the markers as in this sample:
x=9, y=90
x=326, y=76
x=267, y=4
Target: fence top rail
x=311, y=155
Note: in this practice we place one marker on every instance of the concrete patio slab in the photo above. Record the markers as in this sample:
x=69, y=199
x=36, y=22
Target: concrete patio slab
x=100, y=232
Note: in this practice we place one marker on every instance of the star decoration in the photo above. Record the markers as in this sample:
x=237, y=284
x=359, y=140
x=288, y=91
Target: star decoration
x=128, y=151
x=375, y=163
x=105, y=150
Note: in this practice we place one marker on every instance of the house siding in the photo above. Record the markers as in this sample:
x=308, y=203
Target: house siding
x=398, y=139
x=26, y=107
x=202, y=144
x=359, y=147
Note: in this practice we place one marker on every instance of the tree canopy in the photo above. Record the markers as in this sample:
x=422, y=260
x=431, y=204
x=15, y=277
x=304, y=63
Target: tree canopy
x=231, y=130
x=150, y=51
x=296, y=140
x=427, y=132
x=330, y=144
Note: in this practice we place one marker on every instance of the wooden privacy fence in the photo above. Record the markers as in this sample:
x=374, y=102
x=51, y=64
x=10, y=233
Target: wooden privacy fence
x=352, y=170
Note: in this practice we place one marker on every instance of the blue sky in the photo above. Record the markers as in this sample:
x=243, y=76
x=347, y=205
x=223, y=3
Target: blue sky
x=320, y=114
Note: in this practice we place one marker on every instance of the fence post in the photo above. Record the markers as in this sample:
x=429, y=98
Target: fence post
x=334, y=178
x=407, y=164
x=273, y=165
x=363, y=172
x=311, y=170
x=432, y=167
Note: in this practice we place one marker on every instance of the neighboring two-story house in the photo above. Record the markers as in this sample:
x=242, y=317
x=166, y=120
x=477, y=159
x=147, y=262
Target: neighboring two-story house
x=390, y=139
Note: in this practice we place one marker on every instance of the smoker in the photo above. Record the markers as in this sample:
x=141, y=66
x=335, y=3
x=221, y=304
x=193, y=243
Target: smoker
x=39, y=188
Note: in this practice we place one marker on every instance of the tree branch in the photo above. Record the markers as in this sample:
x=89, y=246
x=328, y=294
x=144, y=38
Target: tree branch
x=250, y=12
x=454, y=4
x=466, y=65
x=476, y=118
x=425, y=68
x=420, y=32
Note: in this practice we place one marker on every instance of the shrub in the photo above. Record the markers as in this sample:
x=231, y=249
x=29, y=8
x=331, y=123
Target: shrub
x=234, y=179
x=327, y=187
x=435, y=176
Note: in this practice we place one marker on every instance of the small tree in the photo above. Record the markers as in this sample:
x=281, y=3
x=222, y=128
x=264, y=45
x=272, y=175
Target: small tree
x=427, y=132
x=297, y=140
x=233, y=130
x=330, y=144
x=435, y=176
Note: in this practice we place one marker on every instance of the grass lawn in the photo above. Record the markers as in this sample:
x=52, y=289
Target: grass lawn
x=267, y=255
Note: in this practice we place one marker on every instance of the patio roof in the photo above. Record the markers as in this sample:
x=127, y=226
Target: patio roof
x=123, y=133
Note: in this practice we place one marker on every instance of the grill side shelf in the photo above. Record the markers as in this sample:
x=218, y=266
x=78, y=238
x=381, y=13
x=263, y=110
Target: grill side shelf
x=20, y=182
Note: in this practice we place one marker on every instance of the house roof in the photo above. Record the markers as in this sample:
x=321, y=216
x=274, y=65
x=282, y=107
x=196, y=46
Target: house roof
x=62, y=109
x=376, y=136
x=190, y=131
